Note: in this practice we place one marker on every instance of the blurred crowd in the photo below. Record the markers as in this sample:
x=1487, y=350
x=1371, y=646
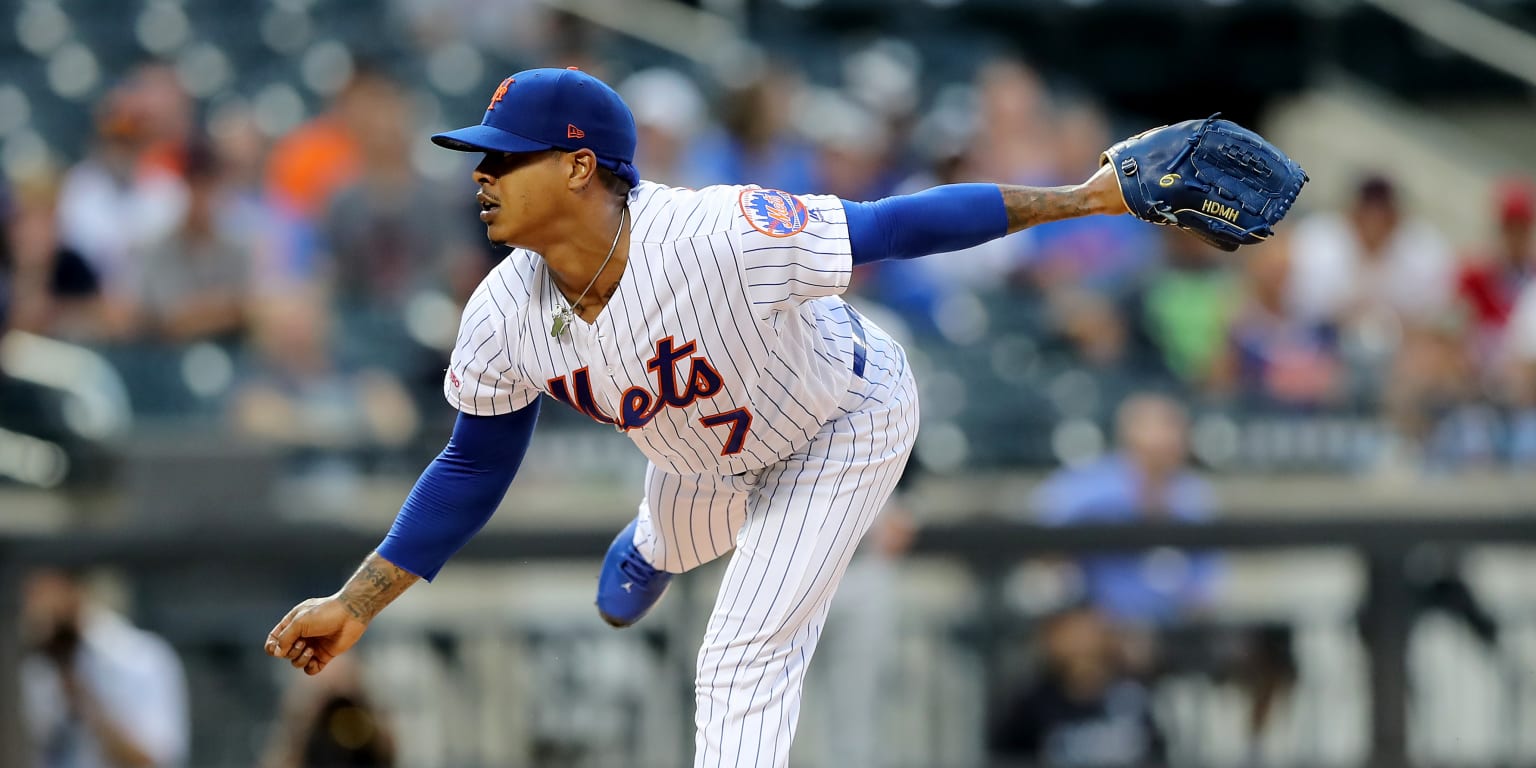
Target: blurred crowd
x=325, y=265
x=294, y=260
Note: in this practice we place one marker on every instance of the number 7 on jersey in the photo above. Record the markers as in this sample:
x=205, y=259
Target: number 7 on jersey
x=740, y=422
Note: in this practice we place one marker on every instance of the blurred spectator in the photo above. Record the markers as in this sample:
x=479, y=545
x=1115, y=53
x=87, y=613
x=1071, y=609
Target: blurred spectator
x=53, y=290
x=1094, y=329
x=1183, y=308
x=1014, y=139
x=1373, y=258
x=97, y=691
x=1375, y=272
x=389, y=232
x=852, y=145
x=670, y=113
x=392, y=240
x=1519, y=373
x=195, y=284
x=113, y=202
x=1491, y=279
x=1103, y=254
x=37, y=287
x=298, y=397
x=1272, y=358
x=919, y=288
x=1146, y=480
x=283, y=250
x=167, y=114
x=1085, y=709
x=755, y=144
x=330, y=721
x=312, y=162
x=1431, y=399
x=1387, y=280
x=1099, y=339
x=1507, y=327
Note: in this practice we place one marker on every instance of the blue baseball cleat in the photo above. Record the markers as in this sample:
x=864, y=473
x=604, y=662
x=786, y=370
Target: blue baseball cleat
x=628, y=585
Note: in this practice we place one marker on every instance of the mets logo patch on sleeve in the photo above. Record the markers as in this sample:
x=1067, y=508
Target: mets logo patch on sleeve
x=774, y=213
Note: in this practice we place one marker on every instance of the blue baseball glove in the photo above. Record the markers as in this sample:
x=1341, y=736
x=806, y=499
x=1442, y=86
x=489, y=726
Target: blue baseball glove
x=1212, y=178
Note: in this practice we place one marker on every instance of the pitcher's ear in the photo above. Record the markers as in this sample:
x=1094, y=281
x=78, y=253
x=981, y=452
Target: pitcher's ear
x=582, y=169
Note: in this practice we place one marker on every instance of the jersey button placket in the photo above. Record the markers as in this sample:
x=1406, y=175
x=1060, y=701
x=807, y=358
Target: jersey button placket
x=610, y=369
x=592, y=348
x=600, y=341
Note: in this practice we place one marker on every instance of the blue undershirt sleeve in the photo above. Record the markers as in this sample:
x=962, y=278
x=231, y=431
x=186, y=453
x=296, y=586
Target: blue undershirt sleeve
x=952, y=217
x=459, y=490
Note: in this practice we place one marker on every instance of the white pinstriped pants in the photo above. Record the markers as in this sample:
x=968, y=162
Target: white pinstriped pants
x=794, y=525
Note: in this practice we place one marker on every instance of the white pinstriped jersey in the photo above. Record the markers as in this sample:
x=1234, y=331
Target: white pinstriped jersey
x=725, y=348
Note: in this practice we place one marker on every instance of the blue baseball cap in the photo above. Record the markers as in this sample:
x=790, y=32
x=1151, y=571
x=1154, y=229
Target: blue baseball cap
x=539, y=109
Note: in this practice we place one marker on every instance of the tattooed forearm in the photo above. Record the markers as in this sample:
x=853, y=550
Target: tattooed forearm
x=376, y=584
x=1028, y=206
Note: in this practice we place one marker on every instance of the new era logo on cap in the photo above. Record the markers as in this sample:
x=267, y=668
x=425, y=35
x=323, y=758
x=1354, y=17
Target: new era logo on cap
x=572, y=132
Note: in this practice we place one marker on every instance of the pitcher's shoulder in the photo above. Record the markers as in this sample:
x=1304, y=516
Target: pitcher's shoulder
x=511, y=281
x=670, y=213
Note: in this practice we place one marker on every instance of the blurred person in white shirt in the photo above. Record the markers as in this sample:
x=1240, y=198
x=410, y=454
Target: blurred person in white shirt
x=115, y=201
x=1387, y=280
x=1372, y=269
x=97, y=692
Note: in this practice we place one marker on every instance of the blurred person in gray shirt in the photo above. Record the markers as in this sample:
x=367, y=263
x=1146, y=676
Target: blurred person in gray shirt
x=194, y=284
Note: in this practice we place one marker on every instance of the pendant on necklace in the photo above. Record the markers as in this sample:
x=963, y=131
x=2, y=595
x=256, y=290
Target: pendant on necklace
x=562, y=319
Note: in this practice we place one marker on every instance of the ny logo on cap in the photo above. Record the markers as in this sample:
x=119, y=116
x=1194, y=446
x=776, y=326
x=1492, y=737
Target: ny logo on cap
x=501, y=90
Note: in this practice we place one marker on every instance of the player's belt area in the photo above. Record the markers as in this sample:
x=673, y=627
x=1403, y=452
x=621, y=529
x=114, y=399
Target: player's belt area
x=860, y=342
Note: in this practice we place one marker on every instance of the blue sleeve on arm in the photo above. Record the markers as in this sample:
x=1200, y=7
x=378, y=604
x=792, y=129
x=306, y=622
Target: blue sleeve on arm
x=948, y=218
x=459, y=490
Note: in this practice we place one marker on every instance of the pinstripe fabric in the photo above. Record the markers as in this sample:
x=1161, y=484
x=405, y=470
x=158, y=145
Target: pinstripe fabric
x=689, y=520
x=763, y=440
x=763, y=311
x=804, y=519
